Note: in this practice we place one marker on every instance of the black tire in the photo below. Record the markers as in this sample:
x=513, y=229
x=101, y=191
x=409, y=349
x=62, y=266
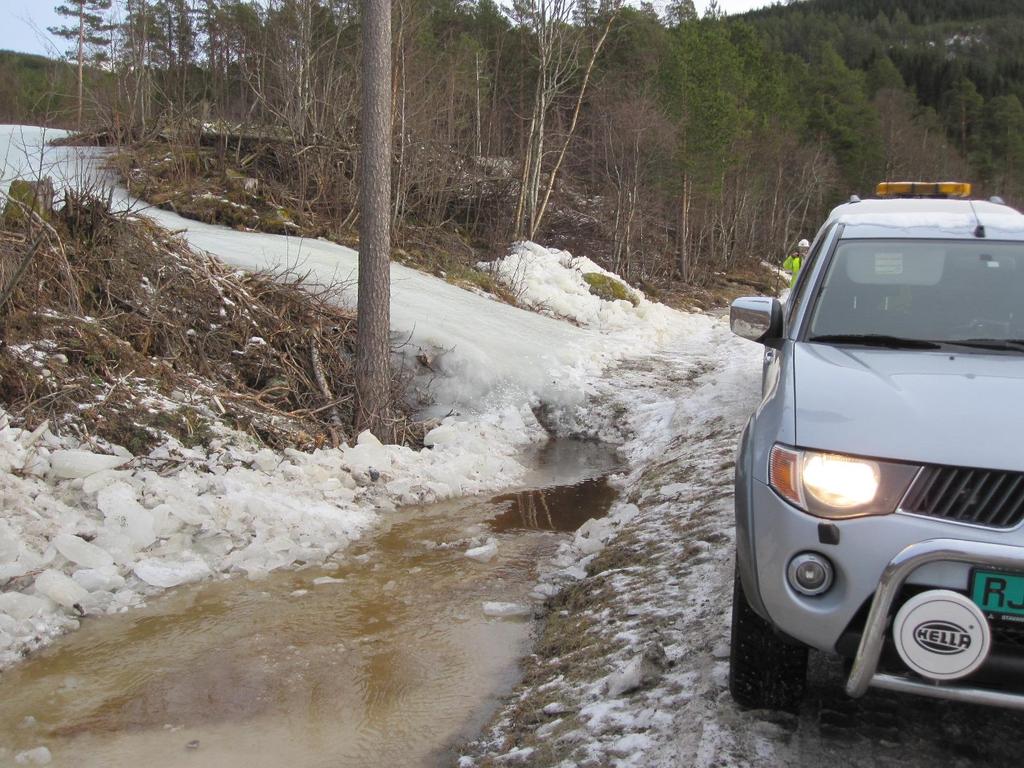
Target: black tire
x=765, y=671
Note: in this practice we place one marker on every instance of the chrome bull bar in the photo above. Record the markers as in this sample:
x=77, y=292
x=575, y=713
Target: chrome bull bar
x=863, y=675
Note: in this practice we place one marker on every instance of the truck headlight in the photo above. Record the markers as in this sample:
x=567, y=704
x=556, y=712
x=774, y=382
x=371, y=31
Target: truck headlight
x=834, y=485
x=840, y=481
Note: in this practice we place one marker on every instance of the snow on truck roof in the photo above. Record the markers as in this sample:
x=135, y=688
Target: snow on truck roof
x=928, y=217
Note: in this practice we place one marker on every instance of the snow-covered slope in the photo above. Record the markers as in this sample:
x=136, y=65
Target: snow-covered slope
x=79, y=537
x=482, y=348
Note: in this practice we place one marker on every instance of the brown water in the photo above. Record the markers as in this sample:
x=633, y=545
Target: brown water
x=559, y=508
x=389, y=665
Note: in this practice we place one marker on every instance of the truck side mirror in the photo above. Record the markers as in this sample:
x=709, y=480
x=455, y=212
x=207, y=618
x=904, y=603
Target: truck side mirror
x=758, y=318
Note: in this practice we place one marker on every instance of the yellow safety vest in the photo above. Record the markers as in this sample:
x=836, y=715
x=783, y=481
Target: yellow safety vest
x=793, y=264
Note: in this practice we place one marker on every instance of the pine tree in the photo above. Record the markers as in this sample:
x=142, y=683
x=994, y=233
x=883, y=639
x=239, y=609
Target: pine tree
x=90, y=31
x=372, y=371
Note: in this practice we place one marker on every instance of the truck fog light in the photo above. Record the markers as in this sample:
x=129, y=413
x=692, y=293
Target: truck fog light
x=810, y=573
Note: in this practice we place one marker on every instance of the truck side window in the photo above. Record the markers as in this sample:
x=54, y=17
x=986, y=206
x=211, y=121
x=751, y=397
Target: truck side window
x=798, y=294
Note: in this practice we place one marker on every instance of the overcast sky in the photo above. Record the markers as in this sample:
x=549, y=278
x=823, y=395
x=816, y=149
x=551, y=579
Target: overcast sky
x=23, y=23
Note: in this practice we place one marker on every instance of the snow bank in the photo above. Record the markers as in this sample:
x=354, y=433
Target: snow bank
x=81, y=536
x=552, y=281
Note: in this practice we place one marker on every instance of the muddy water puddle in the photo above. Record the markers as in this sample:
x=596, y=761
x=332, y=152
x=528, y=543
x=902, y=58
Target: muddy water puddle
x=386, y=659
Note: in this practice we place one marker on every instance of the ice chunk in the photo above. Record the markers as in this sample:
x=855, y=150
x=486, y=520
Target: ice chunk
x=21, y=606
x=168, y=573
x=401, y=487
x=640, y=671
x=590, y=536
x=79, y=551
x=25, y=563
x=439, y=490
x=125, y=515
x=588, y=546
x=484, y=553
x=95, y=483
x=543, y=591
x=117, y=544
x=37, y=756
x=10, y=543
x=626, y=679
x=60, y=588
x=140, y=527
x=37, y=463
x=95, y=579
x=185, y=513
x=366, y=457
x=71, y=464
x=266, y=460
x=97, y=602
x=506, y=610
x=366, y=437
x=445, y=434
x=321, y=580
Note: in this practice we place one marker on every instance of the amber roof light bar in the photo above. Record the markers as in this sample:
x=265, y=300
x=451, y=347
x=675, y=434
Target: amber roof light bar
x=938, y=189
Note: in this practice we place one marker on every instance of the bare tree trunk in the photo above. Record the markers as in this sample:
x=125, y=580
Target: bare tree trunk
x=400, y=195
x=478, y=143
x=81, y=59
x=373, y=318
x=535, y=222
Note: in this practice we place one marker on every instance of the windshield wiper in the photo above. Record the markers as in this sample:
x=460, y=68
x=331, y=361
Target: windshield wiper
x=1013, y=345
x=876, y=340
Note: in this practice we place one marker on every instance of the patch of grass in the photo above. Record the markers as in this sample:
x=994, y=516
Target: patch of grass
x=439, y=261
x=609, y=289
x=471, y=277
x=186, y=424
x=563, y=634
x=622, y=553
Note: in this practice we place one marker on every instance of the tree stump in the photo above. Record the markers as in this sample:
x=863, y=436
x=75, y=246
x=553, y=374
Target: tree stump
x=25, y=198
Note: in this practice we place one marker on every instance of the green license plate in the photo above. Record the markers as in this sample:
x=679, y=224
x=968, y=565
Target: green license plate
x=998, y=593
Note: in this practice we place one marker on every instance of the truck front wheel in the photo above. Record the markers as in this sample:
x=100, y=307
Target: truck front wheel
x=765, y=671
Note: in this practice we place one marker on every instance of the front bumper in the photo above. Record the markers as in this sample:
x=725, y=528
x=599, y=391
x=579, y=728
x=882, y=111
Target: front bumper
x=970, y=553
x=778, y=531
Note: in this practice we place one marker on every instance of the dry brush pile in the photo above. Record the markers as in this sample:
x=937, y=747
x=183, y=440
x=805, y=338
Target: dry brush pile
x=113, y=328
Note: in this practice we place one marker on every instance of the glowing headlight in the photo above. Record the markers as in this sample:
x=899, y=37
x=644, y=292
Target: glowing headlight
x=834, y=486
x=840, y=481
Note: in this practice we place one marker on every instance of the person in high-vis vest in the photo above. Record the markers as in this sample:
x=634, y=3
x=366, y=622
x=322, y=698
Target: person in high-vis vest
x=795, y=260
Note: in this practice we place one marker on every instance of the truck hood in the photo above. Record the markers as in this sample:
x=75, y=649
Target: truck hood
x=922, y=406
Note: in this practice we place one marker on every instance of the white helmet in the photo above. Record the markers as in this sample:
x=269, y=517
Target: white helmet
x=803, y=245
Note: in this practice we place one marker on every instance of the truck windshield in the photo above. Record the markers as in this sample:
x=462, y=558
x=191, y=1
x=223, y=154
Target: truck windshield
x=967, y=292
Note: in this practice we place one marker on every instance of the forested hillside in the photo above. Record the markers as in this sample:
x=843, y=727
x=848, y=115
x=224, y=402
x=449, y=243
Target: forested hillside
x=962, y=59
x=34, y=89
x=669, y=148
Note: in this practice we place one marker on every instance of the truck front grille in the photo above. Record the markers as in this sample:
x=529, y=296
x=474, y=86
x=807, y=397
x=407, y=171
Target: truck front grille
x=977, y=496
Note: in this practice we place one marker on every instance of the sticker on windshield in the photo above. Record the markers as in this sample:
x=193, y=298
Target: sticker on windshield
x=888, y=263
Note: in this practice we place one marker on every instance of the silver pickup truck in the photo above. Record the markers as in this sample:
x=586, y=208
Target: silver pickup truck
x=880, y=481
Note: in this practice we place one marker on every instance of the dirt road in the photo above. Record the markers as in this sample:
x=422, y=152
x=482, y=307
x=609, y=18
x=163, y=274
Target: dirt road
x=652, y=616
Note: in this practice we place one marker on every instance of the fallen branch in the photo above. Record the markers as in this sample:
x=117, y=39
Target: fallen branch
x=321, y=380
